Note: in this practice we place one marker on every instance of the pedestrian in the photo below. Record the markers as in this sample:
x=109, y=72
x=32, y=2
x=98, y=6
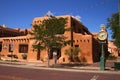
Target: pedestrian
x=55, y=56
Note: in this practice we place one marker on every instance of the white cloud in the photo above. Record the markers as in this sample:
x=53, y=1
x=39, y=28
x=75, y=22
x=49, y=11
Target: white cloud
x=77, y=17
x=49, y=13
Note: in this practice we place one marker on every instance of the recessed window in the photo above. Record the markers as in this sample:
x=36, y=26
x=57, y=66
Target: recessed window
x=76, y=45
x=23, y=48
x=80, y=40
x=88, y=41
x=77, y=40
x=37, y=21
x=84, y=40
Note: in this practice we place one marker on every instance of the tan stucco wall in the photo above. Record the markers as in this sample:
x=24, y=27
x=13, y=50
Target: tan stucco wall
x=84, y=40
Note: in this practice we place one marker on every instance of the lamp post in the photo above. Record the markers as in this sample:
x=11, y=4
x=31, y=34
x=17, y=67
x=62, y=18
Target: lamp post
x=102, y=36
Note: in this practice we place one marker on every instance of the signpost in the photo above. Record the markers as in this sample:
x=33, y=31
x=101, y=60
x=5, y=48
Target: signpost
x=102, y=36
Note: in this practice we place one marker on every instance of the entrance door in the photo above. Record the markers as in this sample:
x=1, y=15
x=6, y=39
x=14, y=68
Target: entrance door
x=58, y=53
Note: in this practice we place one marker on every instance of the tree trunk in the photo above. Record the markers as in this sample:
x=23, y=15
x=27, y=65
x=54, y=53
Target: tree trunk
x=38, y=54
x=48, y=52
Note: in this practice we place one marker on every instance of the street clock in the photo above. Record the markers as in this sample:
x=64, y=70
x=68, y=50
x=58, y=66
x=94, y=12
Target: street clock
x=102, y=35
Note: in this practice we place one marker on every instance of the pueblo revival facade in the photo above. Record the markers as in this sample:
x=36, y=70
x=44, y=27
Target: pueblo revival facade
x=113, y=49
x=19, y=42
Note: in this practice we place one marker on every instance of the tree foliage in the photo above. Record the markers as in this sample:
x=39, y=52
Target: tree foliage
x=113, y=25
x=72, y=52
x=49, y=34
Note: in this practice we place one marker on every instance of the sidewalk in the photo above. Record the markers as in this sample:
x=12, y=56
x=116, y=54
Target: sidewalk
x=94, y=68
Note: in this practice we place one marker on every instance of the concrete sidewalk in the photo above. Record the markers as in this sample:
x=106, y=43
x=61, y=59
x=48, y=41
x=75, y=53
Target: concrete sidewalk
x=94, y=68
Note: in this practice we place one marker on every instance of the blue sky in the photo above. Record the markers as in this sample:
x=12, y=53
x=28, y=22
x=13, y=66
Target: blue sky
x=93, y=13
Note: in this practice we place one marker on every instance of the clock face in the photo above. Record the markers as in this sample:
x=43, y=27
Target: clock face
x=102, y=35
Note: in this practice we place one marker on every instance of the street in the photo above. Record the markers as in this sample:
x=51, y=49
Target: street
x=15, y=73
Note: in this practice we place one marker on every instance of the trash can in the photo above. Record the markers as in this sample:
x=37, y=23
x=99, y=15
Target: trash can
x=117, y=65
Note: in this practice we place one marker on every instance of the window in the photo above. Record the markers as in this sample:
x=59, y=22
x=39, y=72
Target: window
x=37, y=21
x=76, y=49
x=80, y=40
x=76, y=45
x=77, y=40
x=23, y=48
x=88, y=41
x=84, y=40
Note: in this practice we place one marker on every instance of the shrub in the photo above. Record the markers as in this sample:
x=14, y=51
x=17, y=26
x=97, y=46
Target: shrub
x=24, y=56
x=13, y=56
x=112, y=57
x=72, y=52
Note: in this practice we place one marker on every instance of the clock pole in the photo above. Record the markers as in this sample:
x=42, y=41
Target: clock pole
x=102, y=36
x=102, y=58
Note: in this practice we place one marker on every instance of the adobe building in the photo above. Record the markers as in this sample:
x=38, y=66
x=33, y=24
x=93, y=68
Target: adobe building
x=113, y=49
x=19, y=42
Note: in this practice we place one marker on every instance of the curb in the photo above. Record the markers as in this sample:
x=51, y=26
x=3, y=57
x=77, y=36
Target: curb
x=69, y=69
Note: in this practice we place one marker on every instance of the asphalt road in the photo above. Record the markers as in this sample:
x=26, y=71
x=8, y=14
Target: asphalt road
x=15, y=73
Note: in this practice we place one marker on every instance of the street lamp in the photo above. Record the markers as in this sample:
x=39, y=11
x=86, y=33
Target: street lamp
x=102, y=36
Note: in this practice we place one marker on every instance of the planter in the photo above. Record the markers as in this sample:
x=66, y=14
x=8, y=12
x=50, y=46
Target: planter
x=117, y=65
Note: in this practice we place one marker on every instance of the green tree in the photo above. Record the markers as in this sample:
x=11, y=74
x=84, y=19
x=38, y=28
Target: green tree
x=113, y=25
x=49, y=34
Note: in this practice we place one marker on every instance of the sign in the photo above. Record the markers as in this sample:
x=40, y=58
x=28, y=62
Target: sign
x=11, y=47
